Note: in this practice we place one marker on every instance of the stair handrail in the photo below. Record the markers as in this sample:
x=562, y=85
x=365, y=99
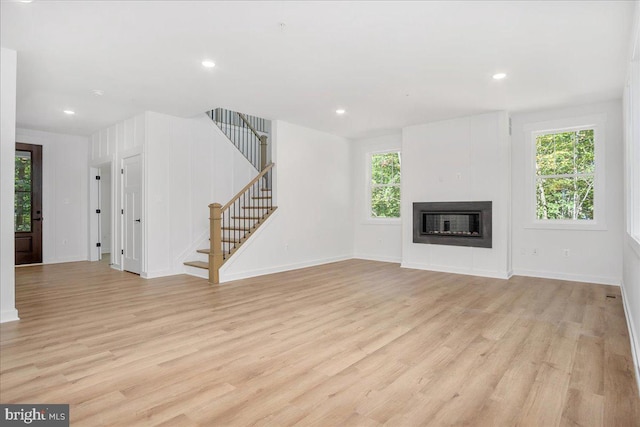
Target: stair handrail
x=262, y=138
x=246, y=187
x=249, y=125
x=249, y=141
x=217, y=215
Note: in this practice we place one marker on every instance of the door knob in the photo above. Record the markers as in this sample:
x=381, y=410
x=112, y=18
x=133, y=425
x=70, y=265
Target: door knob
x=138, y=220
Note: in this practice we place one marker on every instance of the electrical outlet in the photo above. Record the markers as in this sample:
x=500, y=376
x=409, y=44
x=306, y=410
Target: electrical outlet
x=566, y=252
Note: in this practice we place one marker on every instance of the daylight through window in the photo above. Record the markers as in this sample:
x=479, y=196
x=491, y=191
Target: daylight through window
x=565, y=175
x=385, y=185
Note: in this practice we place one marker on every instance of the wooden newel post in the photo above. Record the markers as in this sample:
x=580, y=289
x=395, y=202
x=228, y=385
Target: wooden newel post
x=215, y=242
x=263, y=152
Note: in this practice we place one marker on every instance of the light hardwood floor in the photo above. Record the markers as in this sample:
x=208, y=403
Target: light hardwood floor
x=355, y=343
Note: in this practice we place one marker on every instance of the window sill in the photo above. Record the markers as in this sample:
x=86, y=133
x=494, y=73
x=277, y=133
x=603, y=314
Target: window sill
x=382, y=221
x=634, y=243
x=567, y=225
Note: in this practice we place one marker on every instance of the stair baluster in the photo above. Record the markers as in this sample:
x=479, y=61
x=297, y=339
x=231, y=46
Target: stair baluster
x=232, y=224
x=239, y=218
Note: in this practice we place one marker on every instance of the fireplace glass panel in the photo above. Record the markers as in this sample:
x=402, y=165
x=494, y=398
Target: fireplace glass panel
x=463, y=224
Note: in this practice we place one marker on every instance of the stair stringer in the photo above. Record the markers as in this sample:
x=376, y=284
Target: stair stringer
x=190, y=254
x=238, y=254
x=227, y=184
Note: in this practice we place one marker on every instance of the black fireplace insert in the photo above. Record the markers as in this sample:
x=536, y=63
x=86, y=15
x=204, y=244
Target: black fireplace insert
x=453, y=223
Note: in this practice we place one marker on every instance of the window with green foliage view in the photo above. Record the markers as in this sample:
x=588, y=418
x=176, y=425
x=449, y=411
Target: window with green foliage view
x=565, y=175
x=22, y=200
x=385, y=185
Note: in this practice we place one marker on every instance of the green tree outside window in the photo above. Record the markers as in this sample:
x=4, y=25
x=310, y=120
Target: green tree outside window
x=565, y=171
x=22, y=200
x=385, y=185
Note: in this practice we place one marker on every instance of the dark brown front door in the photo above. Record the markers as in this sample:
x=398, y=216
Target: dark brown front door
x=28, y=203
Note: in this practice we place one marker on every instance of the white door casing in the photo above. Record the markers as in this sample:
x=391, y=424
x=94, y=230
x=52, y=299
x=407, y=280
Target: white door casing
x=98, y=211
x=132, y=214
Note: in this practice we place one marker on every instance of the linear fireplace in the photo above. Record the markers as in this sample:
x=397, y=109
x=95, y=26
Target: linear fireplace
x=452, y=223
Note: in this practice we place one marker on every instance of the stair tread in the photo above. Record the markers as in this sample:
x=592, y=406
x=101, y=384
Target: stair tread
x=198, y=264
x=246, y=217
x=203, y=251
x=265, y=189
x=256, y=207
x=261, y=197
x=236, y=228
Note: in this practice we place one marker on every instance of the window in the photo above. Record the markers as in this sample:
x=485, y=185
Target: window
x=22, y=200
x=565, y=167
x=566, y=174
x=384, y=188
x=632, y=155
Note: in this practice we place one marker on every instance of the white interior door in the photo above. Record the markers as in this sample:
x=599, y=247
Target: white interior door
x=132, y=214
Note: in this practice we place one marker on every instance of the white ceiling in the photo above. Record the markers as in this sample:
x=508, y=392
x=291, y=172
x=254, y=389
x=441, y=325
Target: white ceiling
x=389, y=64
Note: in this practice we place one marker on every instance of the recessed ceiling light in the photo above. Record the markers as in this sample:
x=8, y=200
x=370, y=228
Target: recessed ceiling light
x=98, y=92
x=69, y=112
x=499, y=76
x=208, y=63
x=340, y=111
x=26, y=1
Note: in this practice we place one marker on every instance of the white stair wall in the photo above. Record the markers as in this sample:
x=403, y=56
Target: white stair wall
x=189, y=163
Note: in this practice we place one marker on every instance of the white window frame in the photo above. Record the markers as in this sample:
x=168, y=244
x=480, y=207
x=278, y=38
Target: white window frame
x=532, y=131
x=631, y=102
x=369, y=188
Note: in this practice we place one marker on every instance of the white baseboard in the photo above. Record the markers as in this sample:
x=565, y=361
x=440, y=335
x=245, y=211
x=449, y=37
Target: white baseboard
x=224, y=277
x=447, y=269
x=10, y=315
x=601, y=280
x=633, y=335
x=66, y=259
x=156, y=274
x=380, y=258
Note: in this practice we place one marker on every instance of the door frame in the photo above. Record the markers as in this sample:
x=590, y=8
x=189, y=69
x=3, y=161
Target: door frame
x=143, y=213
x=94, y=219
x=117, y=195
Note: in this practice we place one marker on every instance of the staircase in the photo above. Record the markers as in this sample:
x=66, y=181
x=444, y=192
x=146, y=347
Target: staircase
x=233, y=224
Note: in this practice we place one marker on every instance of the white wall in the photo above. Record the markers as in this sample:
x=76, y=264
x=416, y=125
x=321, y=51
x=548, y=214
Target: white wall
x=372, y=239
x=631, y=244
x=8, y=63
x=187, y=164
x=190, y=163
x=465, y=159
x=314, y=221
x=123, y=139
x=595, y=255
x=64, y=194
